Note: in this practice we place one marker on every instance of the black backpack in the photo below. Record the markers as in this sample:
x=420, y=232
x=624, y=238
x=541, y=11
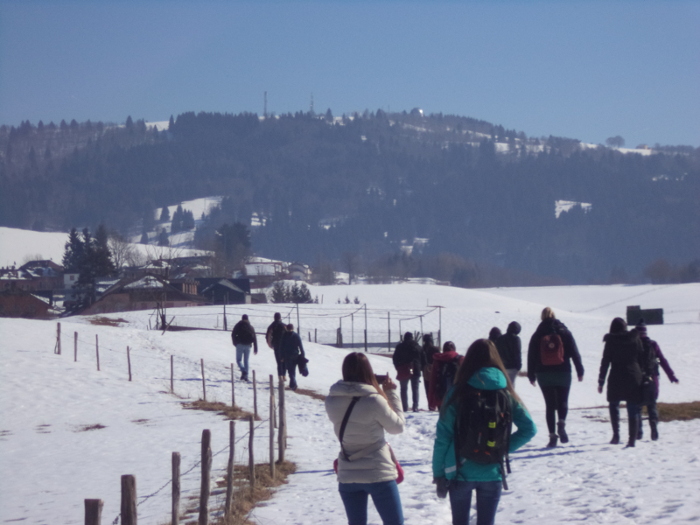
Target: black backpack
x=483, y=428
x=650, y=366
x=446, y=376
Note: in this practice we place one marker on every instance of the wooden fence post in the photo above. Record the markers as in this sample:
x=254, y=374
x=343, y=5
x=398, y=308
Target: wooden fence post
x=272, y=430
x=172, y=374
x=75, y=346
x=175, y=520
x=97, y=351
x=128, y=506
x=206, y=474
x=204, y=381
x=272, y=400
x=282, y=424
x=251, y=455
x=128, y=361
x=315, y=335
x=229, y=474
x=58, y=339
x=255, y=396
x=93, y=511
x=233, y=390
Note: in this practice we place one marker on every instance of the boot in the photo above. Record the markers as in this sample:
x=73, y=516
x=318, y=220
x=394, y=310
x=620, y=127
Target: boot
x=633, y=430
x=552, y=441
x=561, y=428
x=654, y=430
x=615, y=422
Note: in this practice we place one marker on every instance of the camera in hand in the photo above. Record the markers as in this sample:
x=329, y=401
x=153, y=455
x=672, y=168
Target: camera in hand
x=380, y=378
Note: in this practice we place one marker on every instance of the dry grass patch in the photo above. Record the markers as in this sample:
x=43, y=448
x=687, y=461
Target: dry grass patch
x=679, y=411
x=228, y=411
x=245, y=497
x=107, y=321
x=87, y=428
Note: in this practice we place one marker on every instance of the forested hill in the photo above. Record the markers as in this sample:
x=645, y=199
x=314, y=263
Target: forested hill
x=356, y=188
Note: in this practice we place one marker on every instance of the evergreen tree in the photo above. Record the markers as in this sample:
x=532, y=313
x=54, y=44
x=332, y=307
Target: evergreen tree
x=74, y=252
x=163, y=239
x=165, y=214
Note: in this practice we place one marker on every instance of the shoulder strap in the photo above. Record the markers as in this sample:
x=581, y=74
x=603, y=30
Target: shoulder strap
x=345, y=423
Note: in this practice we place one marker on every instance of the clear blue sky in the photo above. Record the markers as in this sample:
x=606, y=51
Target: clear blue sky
x=581, y=69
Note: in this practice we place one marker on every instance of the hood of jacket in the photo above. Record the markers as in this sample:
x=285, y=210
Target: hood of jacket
x=352, y=389
x=488, y=378
x=445, y=356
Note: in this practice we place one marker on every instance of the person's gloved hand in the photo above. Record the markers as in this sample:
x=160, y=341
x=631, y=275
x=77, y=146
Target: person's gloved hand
x=441, y=487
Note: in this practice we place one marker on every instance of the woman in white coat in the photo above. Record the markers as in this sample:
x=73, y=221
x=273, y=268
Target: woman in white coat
x=365, y=463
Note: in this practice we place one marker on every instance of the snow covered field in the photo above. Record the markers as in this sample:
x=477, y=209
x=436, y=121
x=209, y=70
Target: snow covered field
x=68, y=432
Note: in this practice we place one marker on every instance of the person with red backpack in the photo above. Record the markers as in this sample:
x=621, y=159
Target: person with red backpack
x=550, y=352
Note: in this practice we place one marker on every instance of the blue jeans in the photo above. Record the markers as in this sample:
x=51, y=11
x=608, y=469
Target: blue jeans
x=385, y=495
x=242, y=356
x=488, y=494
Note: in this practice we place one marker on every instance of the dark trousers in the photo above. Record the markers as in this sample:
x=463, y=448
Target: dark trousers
x=280, y=363
x=556, y=401
x=488, y=494
x=415, y=383
x=291, y=366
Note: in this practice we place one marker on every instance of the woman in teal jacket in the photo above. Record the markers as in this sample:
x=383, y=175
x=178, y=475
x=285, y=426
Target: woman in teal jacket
x=482, y=369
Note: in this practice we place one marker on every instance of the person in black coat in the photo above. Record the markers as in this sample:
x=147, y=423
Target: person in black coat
x=243, y=337
x=554, y=379
x=624, y=355
x=408, y=361
x=273, y=336
x=510, y=349
x=292, y=352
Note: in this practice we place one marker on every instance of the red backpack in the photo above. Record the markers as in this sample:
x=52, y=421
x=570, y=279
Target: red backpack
x=551, y=350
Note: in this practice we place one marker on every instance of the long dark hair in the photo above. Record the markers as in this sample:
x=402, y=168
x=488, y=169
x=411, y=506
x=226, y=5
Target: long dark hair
x=357, y=369
x=618, y=326
x=482, y=353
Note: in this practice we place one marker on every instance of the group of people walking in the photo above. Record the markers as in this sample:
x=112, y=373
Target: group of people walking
x=477, y=401
x=363, y=407
x=280, y=337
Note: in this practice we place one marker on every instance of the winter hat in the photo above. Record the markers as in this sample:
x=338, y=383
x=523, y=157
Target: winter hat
x=514, y=328
x=244, y=317
x=408, y=336
x=495, y=333
x=641, y=327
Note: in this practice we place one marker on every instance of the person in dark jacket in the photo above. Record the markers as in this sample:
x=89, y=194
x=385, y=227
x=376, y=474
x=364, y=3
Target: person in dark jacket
x=656, y=358
x=624, y=355
x=408, y=361
x=429, y=350
x=243, y=336
x=292, y=352
x=554, y=379
x=273, y=336
x=510, y=349
x=494, y=334
x=445, y=366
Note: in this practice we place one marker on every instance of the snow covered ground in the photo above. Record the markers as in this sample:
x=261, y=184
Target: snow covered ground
x=68, y=432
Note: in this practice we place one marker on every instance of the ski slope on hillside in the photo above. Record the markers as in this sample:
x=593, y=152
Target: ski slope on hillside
x=68, y=432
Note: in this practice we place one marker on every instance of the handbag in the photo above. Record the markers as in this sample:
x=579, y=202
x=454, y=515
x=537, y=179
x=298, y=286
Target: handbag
x=399, y=468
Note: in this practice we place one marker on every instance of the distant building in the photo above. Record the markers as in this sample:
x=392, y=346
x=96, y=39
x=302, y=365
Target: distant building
x=219, y=290
x=263, y=272
x=18, y=303
x=144, y=293
x=299, y=272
